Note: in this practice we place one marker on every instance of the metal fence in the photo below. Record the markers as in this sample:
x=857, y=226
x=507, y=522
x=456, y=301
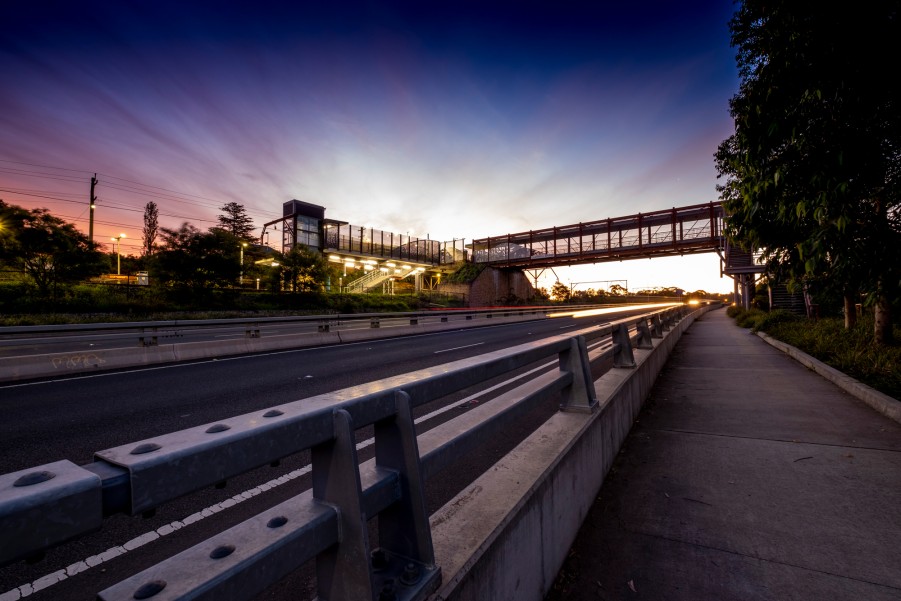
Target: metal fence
x=50, y=504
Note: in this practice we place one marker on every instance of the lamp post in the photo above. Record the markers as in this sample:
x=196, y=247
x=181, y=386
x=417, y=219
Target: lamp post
x=241, y=276
x=118, y=242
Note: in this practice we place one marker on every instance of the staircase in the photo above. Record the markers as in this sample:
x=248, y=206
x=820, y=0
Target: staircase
x=367, y=282
x=781, y=298
x=739, y=260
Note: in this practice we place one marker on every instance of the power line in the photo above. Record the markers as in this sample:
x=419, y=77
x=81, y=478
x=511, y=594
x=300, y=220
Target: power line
x=180, y=196
x=156, y=195
x=43, y=166
x=64, y=178
x=160, y=188
x=109, y=206
x=31, y=190
x=38, y=195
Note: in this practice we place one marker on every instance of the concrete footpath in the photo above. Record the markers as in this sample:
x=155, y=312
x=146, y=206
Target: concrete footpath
x=746, y=477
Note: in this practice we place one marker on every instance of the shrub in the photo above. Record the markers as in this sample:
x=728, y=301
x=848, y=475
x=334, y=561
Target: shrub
x=734, y=310
x=770, y=320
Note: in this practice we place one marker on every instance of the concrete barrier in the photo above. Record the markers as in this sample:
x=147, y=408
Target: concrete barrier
x=13, y=369
x=881, y=402
x=506, y=535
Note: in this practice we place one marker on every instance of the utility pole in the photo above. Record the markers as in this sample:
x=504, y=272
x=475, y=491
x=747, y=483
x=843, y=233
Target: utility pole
x=93, y=198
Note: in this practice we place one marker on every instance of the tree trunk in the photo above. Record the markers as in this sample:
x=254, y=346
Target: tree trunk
x=850, y=311
x=882, y=333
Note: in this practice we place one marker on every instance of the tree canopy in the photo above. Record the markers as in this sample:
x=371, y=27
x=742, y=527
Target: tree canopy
x=236, y=221
x=151, y=228
x=812, y=172
x=47, y=249
x=560, y=291
x=301, y=269
x=195, y=259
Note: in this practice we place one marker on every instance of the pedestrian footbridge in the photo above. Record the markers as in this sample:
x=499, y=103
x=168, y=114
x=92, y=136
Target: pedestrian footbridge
x=375, y=258
x=676, y=231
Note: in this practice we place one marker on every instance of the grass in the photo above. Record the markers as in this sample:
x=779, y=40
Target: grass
x=849, y=351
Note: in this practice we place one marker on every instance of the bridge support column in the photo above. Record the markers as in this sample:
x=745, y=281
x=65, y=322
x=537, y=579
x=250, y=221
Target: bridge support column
x=747, y=290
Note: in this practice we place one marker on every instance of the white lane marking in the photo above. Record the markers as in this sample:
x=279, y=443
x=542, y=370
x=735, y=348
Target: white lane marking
x=566, y=327
x=457, y=348
x=80, y=566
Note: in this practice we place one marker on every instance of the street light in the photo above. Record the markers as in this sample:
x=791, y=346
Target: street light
x=241, y=277
x=118, y=242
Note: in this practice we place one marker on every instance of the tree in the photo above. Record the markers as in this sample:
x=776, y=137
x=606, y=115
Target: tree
x=195, y=259
x=560, y=291
x=812, y=170
x=236, y=222
x=50, y=251
x=151, y=228
x=539, y=294
x=301, y=269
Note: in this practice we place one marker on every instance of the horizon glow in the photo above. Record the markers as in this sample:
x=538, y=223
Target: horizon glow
x=446, y=121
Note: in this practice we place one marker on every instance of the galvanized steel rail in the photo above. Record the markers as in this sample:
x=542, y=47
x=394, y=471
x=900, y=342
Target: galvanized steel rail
x=148, y=331
x=47, y=505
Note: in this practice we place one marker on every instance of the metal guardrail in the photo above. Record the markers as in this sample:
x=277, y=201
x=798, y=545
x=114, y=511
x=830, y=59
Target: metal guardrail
x=50, y=504
x=148, y=331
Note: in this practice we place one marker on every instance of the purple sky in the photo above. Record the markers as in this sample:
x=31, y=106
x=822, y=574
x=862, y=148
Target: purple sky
x=452, y=119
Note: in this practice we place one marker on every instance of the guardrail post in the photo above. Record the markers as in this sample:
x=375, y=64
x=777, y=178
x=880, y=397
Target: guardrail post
x=657, y=329
x=374, y=323
x=644, y=335
x=150, y=340
x=665, y=320
x=405, y=555
x=252, y=330
x=343, y=572
x=622, y=347
x=579, y=396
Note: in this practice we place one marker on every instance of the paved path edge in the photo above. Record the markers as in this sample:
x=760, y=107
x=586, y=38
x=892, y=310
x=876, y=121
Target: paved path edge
x=881, y=402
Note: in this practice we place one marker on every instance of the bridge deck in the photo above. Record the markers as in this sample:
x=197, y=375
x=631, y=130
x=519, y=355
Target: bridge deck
x=676, y=231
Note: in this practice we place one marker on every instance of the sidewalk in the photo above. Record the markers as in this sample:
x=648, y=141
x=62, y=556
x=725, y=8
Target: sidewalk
x=746, y=477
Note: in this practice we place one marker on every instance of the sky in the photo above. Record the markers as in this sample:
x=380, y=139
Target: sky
x=452, y=119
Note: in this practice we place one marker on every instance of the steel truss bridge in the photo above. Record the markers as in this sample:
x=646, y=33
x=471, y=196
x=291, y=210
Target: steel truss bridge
x=676, y=231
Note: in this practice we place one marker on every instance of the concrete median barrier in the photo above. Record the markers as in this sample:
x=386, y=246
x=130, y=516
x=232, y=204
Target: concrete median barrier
x=28, y=367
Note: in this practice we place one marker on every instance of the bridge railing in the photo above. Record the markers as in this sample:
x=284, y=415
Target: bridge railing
x=694, y=228
x=50, y=504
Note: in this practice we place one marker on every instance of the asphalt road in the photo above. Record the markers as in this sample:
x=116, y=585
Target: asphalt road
x=72, y=418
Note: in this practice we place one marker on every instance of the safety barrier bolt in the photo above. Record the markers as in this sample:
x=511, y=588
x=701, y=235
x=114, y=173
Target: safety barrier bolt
x=150, y=589
x=33, y=478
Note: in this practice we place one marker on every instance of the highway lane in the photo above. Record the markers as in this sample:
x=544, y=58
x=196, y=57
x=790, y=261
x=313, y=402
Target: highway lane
x=74, y=417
